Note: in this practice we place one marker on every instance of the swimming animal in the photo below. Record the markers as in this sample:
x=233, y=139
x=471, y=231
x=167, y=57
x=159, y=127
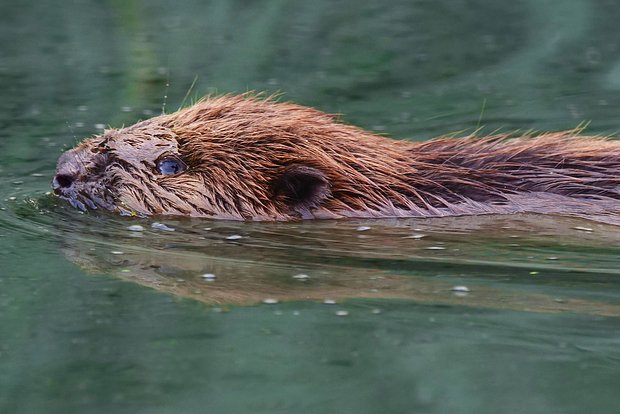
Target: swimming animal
x=246, y=157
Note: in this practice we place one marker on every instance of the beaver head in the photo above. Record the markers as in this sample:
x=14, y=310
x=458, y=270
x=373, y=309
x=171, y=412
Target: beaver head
x=236, y=157
x=244, y=157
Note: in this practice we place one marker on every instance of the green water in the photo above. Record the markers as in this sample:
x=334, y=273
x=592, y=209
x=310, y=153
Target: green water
x=95, y=318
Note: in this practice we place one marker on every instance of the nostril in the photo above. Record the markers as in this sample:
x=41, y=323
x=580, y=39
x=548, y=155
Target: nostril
x=63, y=180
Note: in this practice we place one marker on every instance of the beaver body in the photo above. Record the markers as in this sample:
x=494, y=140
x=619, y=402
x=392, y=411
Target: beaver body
x=248, y=158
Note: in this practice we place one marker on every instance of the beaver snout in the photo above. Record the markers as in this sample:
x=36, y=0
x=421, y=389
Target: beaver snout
x=78, y=181
x=61, y=181
x=68, y=169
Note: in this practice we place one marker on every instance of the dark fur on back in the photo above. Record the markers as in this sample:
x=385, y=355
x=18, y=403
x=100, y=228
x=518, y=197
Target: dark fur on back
x=254, y=158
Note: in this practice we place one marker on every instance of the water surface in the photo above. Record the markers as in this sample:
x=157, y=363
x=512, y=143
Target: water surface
x=514, y=314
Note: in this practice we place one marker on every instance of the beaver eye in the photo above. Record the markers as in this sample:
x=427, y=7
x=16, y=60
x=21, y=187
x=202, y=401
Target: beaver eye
x=171, y=166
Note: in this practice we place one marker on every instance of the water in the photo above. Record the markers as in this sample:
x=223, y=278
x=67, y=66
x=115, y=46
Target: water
x=95, y=317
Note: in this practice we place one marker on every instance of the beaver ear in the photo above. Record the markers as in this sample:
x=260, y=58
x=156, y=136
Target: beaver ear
x=302, y=188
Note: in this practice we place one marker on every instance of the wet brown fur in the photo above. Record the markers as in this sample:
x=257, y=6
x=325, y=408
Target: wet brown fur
x=256, y=159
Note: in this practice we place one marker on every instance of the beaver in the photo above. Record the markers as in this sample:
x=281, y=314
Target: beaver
x=251, y=157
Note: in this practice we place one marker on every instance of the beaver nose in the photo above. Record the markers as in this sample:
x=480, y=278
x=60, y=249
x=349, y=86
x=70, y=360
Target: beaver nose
x=61, y=181
x=67, y=172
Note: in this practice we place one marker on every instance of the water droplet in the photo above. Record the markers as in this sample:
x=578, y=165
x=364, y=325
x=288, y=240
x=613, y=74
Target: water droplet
x=208, y=277
x=416, y=236
x=161, y=226
x=342, y=313
x=301, y=277
x=270, y=301
x=583, y=228
x=363, y=228
x=329, y=302
x=234, y=237
x=463, y=289
x=116, y=252
x=135, y=227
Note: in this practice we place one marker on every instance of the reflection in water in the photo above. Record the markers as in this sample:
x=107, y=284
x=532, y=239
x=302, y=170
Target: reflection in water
x=522, y=262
